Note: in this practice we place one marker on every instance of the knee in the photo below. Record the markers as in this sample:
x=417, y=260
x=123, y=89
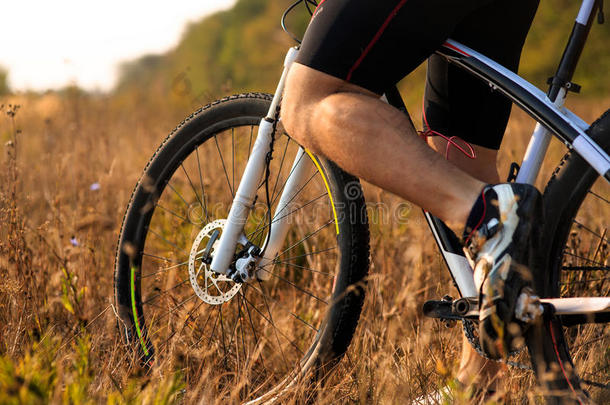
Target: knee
x=297, y=105
x=304, y=105
x=292, y=102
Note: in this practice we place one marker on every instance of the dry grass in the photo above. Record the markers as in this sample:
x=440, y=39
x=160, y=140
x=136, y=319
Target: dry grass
x=69, y=166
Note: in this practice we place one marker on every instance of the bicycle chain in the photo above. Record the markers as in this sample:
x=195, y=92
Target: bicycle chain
x=469, y=332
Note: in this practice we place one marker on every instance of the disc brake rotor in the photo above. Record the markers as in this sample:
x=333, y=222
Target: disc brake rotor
x=211, y=287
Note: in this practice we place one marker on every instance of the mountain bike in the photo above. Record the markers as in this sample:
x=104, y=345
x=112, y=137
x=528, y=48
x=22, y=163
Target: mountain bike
x=243, y=256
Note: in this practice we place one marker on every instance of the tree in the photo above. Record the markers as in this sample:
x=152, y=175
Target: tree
x=3, y=82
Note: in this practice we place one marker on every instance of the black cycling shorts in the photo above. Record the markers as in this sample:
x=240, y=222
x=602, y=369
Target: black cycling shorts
x=375, y=43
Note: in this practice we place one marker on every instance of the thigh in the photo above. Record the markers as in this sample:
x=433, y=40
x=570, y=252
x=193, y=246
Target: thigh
x=374, y=44
x=458, y=104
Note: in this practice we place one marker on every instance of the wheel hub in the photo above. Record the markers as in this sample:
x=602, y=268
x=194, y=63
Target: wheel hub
x=211, y=287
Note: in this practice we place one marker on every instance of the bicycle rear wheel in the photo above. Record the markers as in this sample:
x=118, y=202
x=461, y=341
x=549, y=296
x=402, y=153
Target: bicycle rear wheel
x=570, y=357
x=240, y=342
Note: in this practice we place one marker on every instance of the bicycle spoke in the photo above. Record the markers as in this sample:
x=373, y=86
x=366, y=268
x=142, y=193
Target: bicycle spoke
x=274, y=328
x=233, y=157
x=207, y=218
x=595, y=384
x=172, y=311
x=590, y=231
x=270, y=322
x=273, y=200
x=591, y=341
x=202, y=330
x=213, y=331
x=250, y=141
x=295, y=286
x=311, y=254
x=165, y=259
x=288, y=311
x=178, y=194
x=192, y=186
x=224, y=168
x=222, y=329
x=279, y=171
x=599, y=196
x=150, y=299
x=584, y=258
x=585, y=281
x=304, y=268
x=305, y=238
x=261, y=229
x=243, y=338
x=585, y=268
x=173, y=213
x=288, y=177
x=167, y=241
x=256, y=339
x=163, y=270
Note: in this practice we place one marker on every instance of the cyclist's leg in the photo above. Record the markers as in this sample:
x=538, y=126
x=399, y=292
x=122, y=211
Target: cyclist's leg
x=474, y=369
x=499, y=32
x=352, y=51
x=376, y=142
x=331, y=107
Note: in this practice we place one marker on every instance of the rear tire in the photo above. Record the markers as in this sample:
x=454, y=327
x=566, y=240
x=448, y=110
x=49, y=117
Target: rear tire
x=570, y=359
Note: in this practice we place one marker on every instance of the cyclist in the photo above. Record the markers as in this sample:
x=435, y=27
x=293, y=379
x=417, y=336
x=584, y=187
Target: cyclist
x=352, y=51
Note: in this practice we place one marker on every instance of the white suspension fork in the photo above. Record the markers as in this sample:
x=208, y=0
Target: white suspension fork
x=280, y=224
x=253, y=173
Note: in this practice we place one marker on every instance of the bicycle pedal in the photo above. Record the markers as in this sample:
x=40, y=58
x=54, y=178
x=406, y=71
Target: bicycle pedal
x=449, y=309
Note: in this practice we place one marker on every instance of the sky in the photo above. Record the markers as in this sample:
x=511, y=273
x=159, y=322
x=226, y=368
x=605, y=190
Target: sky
x=50, y=44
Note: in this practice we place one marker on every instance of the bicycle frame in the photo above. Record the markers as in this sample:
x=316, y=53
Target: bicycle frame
x=547, y=109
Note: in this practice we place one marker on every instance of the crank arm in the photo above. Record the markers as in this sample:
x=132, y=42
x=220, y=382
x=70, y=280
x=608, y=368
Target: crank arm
x=571, y=311
x=580, y=310
x=578, y=305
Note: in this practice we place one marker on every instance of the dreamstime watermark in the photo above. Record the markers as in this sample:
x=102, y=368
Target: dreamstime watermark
x=347, y=208
x=182, y=86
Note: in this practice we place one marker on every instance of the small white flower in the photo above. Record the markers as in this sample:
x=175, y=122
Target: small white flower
x=94, y=187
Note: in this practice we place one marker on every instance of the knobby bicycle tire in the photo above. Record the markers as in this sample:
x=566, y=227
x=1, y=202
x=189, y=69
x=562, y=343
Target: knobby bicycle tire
x=336, y=323
x=576, y=264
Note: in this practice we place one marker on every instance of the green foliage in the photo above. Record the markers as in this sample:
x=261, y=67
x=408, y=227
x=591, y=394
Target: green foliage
x=547, y=39
x=140, y=72
x=31, y=379
x=169, y=390
x=4, y=89
x=81, y=376
x=227, y=52
x=242, y=49
x=72, y=296
x=40, y=377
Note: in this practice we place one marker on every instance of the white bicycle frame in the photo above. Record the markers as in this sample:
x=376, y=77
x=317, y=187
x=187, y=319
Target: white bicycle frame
x=552, y=118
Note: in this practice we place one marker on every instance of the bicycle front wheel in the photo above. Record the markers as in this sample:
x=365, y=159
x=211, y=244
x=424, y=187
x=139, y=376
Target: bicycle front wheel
x=234, y=341
x=572, y=357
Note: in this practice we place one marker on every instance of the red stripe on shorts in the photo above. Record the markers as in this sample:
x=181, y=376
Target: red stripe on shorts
x=317, y=7
x=375, y=38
